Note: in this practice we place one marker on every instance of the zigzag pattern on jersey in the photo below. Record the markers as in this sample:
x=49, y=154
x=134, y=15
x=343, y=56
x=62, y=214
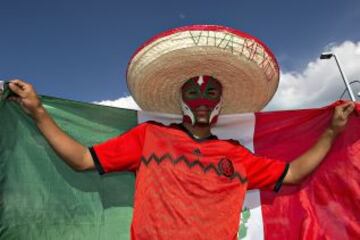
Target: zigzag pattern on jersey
x=190, y=164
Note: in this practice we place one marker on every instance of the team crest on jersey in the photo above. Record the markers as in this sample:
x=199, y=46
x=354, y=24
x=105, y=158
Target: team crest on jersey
x=226, y=167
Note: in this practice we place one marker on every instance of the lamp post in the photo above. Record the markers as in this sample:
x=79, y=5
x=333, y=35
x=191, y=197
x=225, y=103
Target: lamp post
x=1, y=87
x=328, y=55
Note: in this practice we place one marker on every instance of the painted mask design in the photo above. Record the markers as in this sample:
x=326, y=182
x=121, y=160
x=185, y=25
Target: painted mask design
x=201, y=98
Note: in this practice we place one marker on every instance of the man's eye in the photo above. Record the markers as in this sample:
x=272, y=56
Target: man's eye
x=213, y=93
x=192, y=93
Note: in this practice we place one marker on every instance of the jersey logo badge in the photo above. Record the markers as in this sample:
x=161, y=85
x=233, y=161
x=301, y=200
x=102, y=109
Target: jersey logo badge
x=226, y=167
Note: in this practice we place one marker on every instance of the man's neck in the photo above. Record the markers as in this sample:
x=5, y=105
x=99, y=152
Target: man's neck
x=198, y=130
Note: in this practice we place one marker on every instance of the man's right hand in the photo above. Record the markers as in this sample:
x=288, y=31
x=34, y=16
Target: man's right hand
x=26, y=96
x=70, y=150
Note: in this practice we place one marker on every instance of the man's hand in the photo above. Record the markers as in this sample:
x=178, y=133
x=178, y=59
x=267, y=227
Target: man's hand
x=26, y=97
x=341, y=117
x=70, y=150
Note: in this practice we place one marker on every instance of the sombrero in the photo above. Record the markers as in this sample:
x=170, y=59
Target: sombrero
x=246, y=68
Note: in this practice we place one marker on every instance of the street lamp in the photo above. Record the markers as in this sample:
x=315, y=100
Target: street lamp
x=328, y=55
x=1, y=87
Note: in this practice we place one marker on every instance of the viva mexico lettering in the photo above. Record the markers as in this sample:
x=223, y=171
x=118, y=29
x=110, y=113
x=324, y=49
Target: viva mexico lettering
x=246, y=48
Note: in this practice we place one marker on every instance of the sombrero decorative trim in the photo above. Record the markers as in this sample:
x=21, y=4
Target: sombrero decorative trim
x=246, y=68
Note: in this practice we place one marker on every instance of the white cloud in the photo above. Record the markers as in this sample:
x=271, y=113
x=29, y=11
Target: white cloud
x=123, y=102
x=320, y=83
x=317, y=85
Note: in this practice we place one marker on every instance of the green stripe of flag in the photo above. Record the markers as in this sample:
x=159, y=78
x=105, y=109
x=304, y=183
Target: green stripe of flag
x=41, y=197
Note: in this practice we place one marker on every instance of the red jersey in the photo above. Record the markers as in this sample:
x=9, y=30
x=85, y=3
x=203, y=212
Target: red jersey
x=186, y=188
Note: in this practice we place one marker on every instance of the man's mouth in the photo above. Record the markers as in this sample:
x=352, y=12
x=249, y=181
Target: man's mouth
x=202, y=110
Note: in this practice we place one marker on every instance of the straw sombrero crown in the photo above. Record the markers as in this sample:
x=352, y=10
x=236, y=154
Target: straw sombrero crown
x=246, y=68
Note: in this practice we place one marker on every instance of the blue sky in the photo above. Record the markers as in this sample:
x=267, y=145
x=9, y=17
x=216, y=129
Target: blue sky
x=80, y=49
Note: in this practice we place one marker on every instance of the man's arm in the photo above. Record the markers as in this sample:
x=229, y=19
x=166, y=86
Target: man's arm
x=72, y=152
x=307, y=162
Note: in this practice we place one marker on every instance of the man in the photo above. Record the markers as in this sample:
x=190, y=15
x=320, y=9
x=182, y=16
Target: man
x=189, y=184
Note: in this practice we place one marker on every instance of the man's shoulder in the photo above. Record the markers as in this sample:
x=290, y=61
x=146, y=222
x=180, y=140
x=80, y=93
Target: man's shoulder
x=152, y=123
x=157, y=125
x=234, y=144
x=230, y=141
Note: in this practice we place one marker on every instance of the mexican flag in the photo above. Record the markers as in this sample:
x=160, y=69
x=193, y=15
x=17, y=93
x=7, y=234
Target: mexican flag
x=42, y=198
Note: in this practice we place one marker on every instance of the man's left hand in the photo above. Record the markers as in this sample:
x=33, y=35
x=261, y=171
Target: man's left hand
x=341, y=116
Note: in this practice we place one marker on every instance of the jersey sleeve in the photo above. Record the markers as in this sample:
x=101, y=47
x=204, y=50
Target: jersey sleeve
x=122, y=152
x=262, y=172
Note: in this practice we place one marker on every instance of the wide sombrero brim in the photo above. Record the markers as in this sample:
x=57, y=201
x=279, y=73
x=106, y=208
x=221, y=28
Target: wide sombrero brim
x=246, y=68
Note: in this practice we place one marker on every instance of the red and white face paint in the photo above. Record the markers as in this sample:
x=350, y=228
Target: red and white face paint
x=202, y=93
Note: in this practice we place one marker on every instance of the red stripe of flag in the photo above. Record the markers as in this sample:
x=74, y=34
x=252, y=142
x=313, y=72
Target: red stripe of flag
x=327, y=203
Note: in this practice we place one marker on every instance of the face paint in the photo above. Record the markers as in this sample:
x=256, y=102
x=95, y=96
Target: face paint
x=201, y=100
